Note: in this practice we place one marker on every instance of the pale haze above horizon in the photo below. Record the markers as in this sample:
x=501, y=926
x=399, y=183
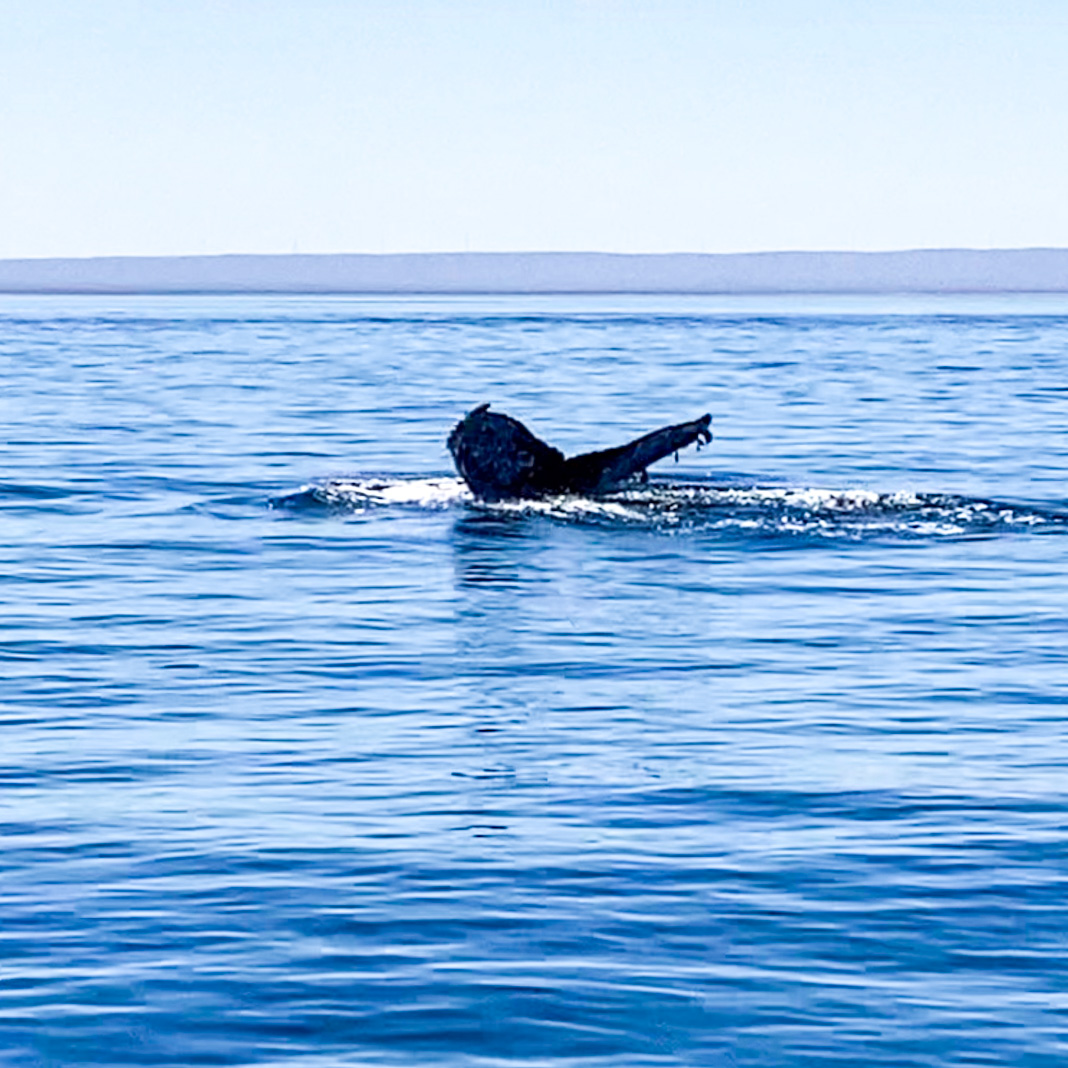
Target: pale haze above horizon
x=148, y=127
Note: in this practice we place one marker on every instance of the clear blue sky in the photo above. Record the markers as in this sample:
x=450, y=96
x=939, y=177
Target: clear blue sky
x=205, y=126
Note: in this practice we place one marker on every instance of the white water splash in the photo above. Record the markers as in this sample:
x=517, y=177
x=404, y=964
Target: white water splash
x=849, y=513
x=371, y=492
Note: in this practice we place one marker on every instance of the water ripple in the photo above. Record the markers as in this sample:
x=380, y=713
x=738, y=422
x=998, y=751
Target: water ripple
x=696, y=506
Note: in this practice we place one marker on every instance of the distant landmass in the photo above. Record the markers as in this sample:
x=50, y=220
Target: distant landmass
x=1037, y=270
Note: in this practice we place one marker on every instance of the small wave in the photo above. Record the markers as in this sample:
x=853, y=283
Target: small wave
x=36, y=491
x=828, y=513
x=743, y=510
x=361, y=494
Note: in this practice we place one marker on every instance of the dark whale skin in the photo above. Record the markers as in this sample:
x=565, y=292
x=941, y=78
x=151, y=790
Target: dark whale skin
x=500, y=459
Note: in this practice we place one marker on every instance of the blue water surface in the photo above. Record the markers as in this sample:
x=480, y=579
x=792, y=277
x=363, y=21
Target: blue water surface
x=310, y=759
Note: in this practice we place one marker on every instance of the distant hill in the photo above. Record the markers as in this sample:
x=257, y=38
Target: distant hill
x=1039, y=270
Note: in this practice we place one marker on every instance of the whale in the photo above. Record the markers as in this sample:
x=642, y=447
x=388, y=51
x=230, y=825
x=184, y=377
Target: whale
x=500, y=459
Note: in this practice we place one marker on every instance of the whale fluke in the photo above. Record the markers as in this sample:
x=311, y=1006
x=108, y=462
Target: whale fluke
x=499, y=458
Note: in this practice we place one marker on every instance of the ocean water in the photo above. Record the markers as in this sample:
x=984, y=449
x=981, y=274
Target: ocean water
x=311, y=760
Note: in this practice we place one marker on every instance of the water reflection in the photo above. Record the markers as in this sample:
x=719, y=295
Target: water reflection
x=488, y=548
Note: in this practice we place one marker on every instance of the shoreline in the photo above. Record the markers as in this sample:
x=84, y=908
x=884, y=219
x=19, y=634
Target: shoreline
x=911, y=272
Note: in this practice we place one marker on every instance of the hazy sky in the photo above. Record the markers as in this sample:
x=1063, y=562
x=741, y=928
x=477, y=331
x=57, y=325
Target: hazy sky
x=202, y=126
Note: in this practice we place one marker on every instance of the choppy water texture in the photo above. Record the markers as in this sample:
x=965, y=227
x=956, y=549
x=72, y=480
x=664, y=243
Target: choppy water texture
x=310, y=759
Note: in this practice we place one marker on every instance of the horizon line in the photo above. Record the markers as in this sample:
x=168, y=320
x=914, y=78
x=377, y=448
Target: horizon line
x=545, y=252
